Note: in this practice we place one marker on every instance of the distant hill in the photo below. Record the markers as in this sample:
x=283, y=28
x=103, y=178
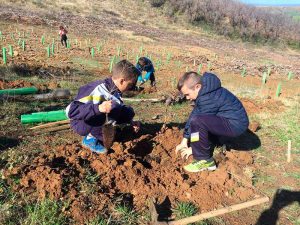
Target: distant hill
x=228, y=18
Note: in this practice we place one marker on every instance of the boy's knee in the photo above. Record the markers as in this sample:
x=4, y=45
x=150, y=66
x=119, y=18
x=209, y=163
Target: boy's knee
x=80, y=127
x=197, y=120
x=128, y=115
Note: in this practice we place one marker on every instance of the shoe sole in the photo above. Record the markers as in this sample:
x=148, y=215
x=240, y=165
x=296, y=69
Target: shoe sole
x=211, y=168
x=88, y=148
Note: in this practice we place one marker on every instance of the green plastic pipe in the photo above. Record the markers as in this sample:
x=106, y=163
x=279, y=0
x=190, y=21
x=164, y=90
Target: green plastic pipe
x=52, y=49
x=48, y=51
x=19, y=91
x=11, y=51
x=92, y=52
x=23, y=45
x=51, y=116
x=4, y=55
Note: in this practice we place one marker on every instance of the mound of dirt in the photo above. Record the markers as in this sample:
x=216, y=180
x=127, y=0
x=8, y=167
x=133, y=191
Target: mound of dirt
x=14, y=84
x=142, y=168
x=268, y=105
x=21, y=84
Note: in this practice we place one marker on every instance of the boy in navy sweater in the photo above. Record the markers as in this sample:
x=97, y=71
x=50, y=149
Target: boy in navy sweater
x=217, y=112
x=145, y=64
x=88, y=110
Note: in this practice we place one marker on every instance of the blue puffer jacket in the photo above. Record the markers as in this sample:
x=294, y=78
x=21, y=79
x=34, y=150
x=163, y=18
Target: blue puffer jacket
x=215, y=100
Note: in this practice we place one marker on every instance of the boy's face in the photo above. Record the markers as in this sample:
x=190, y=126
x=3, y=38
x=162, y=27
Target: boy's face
x=123, y=85
x=190, y=93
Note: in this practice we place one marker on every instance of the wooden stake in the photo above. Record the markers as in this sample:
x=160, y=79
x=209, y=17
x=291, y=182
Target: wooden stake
x=142, y=99
x=218, y=212
x=50, y=124
x=58, y=128
x=289, y=151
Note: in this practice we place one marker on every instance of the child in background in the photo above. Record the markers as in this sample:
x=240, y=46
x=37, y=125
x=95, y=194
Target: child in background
x=88, y=110
x=217, y=113
x=63, y=36
x=145, y=64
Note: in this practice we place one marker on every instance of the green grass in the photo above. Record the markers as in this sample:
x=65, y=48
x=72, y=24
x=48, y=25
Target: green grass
x=260, y=177
x=187, y=209
x=98, y=220
x=126, y=215
x=46, y=212
x=6, y=193
x=86, y=62
x=184, y=209
x=285, y=126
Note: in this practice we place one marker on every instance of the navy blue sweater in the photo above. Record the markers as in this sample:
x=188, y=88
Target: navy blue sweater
x=213, y=99
x=148, y=67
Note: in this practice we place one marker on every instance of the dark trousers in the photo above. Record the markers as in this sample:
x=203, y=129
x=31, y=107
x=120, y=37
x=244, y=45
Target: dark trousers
x=82, y=128
x=94, y=125
x=63, y=40
x=152, y=79
x=204, y=130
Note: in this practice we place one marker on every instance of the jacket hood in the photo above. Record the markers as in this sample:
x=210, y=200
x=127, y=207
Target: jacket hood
x=210, y=83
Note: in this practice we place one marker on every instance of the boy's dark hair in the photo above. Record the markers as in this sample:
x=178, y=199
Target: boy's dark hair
x=193, y=77
x=126, y=70
x=142, y=61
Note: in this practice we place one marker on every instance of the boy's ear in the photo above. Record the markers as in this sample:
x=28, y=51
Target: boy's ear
x=198, y=86
x=122, y=80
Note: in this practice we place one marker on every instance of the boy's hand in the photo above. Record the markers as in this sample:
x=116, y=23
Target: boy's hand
x=105, y=107
x=136, y=126
x=182, y=145
x=186, y=152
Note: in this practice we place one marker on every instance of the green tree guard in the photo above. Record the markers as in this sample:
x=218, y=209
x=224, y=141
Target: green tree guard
x=52, y=48
x=48, y=51
x=92, y=52
x=4, y=55
x=43, y=40
x=23, y=45
x=11, y=51
x=278, y=91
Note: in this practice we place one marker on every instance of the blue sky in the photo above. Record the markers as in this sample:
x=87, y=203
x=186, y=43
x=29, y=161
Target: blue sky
x=271, y=2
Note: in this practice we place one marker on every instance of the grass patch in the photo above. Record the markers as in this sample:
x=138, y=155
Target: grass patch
x=184, y=209
x=126, y=215
x=45, y=212
x=86, y=62
x=285, y=126
x=98, y=220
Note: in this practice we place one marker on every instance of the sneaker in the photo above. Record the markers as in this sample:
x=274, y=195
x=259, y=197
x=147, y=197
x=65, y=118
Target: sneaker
x=200, y=165
x=94, y=145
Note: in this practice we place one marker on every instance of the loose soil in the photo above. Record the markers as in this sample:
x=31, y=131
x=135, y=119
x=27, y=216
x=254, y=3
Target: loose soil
x=142, y=168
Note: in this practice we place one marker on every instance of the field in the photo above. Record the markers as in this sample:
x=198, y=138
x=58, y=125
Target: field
x=50, y=178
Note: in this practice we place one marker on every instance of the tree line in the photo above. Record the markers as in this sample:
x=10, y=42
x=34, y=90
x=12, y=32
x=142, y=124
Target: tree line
x=237, y=20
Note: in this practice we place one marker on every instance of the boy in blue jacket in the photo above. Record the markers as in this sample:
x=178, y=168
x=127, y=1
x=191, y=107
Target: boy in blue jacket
x=217, y=112
x=145, y=64
x=88, y=110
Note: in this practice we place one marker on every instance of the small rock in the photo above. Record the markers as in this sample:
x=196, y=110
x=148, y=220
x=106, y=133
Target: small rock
x=188, y=195
x=114, y=163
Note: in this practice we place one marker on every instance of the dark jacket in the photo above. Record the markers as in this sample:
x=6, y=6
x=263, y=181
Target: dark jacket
x=213, y=99
x=85, y=106
x=148, y=67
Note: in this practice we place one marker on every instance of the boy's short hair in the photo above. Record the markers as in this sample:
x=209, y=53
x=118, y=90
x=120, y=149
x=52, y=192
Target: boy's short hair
x=125, y=69
x=142, y=61
x=193, y=77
